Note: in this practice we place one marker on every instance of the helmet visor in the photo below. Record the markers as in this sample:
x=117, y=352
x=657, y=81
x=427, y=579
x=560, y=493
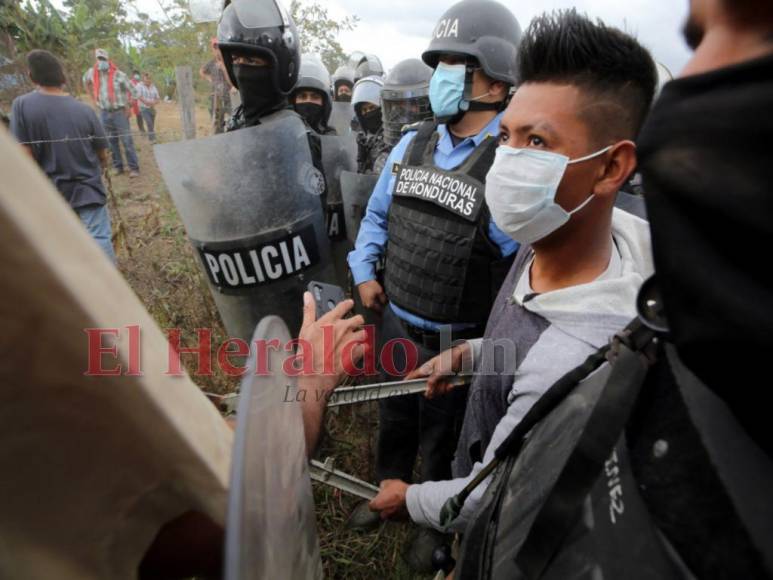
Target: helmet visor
x=258, y=14
x=406, y=111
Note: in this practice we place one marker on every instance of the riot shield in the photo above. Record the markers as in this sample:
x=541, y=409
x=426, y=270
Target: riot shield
x=205, y=10
x=250, y=202
x=271, y=529
x=355, y=192
x=341, y=118
x=339, y=154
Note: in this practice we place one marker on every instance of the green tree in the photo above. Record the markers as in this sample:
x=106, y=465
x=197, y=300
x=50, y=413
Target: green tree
x=319, y=32
x=158, y=46
x=135, y=40
x=71, y=34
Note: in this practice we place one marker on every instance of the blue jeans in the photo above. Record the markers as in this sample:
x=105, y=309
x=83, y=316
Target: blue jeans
x=116, y=123
x=97, y=222
x=150, y=122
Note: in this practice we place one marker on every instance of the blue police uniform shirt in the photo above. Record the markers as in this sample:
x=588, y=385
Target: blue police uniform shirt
x=372, y=237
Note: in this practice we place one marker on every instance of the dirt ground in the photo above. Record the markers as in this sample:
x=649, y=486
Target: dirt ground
x=158, y=262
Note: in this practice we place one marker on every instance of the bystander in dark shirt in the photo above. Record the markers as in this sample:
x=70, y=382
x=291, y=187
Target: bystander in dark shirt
x=71, y=160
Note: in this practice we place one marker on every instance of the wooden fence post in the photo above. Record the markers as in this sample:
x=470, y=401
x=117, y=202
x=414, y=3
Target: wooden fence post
x=186, y=99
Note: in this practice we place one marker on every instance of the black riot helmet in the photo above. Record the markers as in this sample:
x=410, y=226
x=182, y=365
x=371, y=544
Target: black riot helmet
x=405, y=97
x=484, y=30
x=265, y=29
x=314, y=76
x=370, y=66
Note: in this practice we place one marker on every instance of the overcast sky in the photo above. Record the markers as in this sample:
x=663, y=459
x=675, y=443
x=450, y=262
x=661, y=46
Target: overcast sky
x=399, y=29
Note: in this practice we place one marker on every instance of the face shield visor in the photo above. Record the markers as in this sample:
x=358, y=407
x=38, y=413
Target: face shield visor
x=403, y=107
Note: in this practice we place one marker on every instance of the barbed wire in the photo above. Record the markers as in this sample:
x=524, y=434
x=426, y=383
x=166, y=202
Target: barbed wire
x=106, y=138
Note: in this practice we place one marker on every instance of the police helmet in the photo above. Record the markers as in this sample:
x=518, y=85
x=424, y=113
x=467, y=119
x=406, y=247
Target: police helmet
x=313, y=75
x=482, y=29
x=405, y=97
x=262, y=28
x=367, y=90
x=369, y=66
x=343, y=74
x=355, y=59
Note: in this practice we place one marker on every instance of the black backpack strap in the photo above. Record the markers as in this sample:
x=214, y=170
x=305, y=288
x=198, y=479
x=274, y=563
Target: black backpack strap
x=512, y=445
x=549, y=401
x=561, y=509
x=482, y=159
x=420, y=144
x=637, y=337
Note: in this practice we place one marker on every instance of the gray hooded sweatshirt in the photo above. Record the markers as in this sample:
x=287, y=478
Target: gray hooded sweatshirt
x=559, y=330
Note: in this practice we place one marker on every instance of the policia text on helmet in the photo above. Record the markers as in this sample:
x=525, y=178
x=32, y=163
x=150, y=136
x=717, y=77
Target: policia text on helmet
x=261, y=53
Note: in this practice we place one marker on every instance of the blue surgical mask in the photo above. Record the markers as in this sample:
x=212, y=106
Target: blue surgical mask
x=446, y=89
x=521, y=189
x=103, y=65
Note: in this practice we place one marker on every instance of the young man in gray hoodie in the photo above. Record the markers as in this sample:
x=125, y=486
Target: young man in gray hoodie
x=566, y=148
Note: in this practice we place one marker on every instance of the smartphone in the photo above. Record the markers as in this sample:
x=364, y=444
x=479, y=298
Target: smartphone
x=326, y=296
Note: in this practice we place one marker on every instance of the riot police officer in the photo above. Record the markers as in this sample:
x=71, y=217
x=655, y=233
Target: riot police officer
x=445, y=258
x=343, y=83
x=261, y=54
x=367, y=109
x=311, y=96
x=405, y=98
x=248, y=218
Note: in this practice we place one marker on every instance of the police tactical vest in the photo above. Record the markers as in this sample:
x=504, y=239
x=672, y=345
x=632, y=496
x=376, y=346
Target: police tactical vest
x=440, y=262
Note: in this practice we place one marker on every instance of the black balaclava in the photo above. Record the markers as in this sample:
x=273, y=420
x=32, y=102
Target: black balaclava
x=706, y=157
x=371, y=122
x=344, y=98
x=312, y=112
x=257, y=91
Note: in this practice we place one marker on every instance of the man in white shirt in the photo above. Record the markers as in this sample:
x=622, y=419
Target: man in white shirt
x=148, y=97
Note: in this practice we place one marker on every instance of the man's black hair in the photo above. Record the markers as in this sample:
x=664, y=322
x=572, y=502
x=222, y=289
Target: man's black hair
x=45, y=69
x=616, y=73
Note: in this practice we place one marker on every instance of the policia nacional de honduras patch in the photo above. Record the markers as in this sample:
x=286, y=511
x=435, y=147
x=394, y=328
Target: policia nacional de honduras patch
x=460, y=194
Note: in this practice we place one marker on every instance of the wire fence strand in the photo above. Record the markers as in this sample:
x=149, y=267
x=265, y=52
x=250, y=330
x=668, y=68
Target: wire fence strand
x=106, y=138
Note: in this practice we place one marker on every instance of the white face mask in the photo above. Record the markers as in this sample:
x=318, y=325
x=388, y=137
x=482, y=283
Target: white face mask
x=521, y=188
